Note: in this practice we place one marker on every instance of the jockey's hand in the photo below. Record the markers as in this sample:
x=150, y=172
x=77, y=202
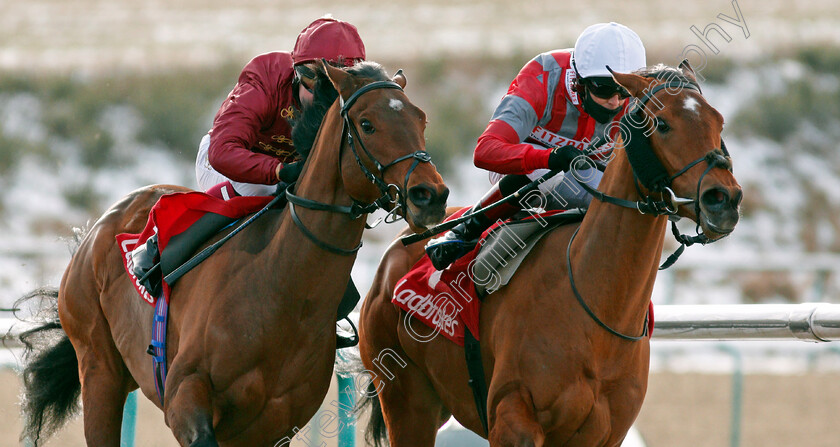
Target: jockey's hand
x=289, y=172
x=561, y=157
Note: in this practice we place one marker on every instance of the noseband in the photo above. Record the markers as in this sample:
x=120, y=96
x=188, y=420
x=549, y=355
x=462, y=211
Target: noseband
x=393, y=197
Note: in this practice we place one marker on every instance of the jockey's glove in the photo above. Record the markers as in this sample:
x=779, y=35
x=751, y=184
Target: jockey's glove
x=290, y=172
x=561, y=157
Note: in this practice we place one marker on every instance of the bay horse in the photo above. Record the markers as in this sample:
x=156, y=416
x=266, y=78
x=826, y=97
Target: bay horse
x=251, y=341
x=559, y=374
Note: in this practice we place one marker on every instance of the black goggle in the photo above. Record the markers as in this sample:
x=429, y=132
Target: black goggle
x=605, y=89
x=303, y=71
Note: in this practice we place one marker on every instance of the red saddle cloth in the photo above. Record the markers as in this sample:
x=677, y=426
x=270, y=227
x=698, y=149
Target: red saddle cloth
x=172, y=215
x=446, y=300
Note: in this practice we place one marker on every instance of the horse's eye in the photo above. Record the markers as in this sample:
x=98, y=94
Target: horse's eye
x=662, y=126
x=367, y=127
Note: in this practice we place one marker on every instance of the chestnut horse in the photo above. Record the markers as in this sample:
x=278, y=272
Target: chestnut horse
x=556, y=375
x=251, y=340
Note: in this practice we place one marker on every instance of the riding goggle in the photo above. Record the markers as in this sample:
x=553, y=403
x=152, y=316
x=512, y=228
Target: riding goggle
x=605, y=89
x=302, y=71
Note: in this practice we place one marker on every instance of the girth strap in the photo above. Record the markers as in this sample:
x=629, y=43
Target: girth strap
x=157, y=348
x=475, y=368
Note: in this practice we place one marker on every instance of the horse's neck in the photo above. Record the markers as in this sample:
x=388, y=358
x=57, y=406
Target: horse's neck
x=619, y=245
x=321, y=182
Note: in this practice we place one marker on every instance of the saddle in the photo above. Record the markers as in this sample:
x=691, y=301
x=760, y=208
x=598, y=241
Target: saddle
x=498, y=257
x=449, y=300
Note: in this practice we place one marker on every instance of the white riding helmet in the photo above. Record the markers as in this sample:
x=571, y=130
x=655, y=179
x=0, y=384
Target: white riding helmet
x=610, y=44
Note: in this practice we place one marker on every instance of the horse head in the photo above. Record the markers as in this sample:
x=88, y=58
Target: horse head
x=383, y=147
x=673, y=141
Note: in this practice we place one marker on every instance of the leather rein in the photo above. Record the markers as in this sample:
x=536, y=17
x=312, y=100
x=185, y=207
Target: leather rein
x=393, y=198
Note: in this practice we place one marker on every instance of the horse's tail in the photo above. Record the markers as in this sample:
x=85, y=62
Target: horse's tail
x=51, y=385
x=376, y=433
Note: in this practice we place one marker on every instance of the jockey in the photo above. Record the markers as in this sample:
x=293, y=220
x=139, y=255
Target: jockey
x=558, y=104
x=250, y=143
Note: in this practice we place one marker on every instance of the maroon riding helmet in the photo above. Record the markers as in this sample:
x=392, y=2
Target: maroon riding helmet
x=331, y=39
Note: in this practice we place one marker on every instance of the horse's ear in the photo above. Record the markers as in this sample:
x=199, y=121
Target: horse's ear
x=688, y=71
x=337, y=76
x=399, y=78
x=634, y=84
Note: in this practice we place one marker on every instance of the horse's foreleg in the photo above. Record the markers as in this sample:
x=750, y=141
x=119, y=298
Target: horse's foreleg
x=514, y=423
x=189, y=413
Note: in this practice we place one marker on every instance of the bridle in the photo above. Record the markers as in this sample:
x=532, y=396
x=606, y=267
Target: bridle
x=393, y=198
x=650, y=173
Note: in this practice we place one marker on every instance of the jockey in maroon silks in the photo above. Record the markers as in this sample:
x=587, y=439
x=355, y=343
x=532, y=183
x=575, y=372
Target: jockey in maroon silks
x=249, y=149
x=558, y=104
x=250, y=143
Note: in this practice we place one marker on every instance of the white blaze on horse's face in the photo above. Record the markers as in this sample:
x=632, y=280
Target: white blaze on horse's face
x=692, y=104
x=396, y=104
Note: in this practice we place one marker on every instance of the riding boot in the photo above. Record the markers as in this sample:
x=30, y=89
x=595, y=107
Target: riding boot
x=145, y=258
x=462, y=238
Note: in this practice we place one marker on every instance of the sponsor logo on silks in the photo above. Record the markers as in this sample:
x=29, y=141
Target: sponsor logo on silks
x=570, y=86
x=551, y=139
x=439, y=310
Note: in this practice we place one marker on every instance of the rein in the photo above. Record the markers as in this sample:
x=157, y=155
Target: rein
x=588, y=309
x=357, y=209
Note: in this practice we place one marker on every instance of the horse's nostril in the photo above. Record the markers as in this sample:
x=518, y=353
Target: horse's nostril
x=421, y=195
x=715, y=198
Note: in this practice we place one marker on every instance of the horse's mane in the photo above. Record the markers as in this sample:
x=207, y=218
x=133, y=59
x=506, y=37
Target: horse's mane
x=305, y=126
x=663, y=72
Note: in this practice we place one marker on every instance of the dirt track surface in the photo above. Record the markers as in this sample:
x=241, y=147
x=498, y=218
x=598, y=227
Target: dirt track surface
x=690, y=410
x=695, y=410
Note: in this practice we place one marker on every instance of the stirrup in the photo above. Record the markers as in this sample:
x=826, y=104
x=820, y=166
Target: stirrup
x=342, y=342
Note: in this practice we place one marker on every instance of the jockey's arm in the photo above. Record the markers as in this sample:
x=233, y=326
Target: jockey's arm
x=235, y=132
x=500, y=149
